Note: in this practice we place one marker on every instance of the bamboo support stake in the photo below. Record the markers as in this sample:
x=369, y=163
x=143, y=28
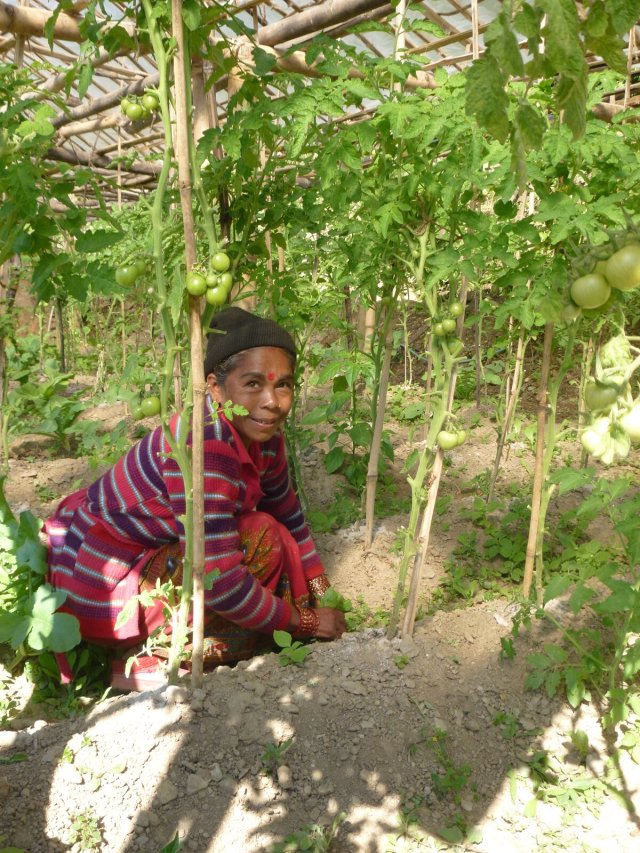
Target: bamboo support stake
x=536, y=496
x=376, y=440
x=510, y=408
x=195, y=328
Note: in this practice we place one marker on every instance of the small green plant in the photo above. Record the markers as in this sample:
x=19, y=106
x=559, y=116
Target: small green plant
x=86, y=831
x=312, y=838
x=273, y=753
x=510, y=725
x=401, y=661
x=291, y=651
x=29, y=621
x=334, y=599
x=362, y=616
x=174, y=846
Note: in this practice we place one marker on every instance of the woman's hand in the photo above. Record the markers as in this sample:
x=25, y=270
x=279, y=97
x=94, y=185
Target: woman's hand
x=332, y=624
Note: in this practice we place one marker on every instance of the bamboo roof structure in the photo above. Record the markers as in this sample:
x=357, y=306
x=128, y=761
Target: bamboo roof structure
x=90, y=127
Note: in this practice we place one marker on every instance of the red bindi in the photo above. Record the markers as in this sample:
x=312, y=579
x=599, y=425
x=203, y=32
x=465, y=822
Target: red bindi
x=271, y=376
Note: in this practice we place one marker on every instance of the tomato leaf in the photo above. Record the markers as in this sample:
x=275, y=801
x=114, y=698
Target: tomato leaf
x=486, y=99
x=96, y=241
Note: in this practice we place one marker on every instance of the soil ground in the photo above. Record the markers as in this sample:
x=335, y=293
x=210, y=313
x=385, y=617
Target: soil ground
x=385, y=744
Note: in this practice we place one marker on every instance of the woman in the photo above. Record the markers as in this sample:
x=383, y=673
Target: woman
x=120, y=535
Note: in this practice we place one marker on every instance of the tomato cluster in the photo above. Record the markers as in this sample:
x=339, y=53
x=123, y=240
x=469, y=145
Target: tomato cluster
x=448, y=439
x=620, y=271
x=215, y=283
x=126, y=274
x=148, y=408
x=137, y=108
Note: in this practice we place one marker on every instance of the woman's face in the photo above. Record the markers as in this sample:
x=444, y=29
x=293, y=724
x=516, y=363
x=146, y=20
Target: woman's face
x=262, y=382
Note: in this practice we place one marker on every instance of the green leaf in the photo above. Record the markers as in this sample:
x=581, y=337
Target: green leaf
x=282, y=639
x=570, y=479
x=485, y=97
x=452, y=834
x=580, y=596
x=572, y=100
x=334, y=459
x=96, y=241
x=556, y=587
x=191, y=14
x=531, y=125
x=361, y=434
x=622, y=13
x=574, y=687
x=531, y=808
x=315, y=416
x=58, y=632
x=563, y=48
x=84, y=78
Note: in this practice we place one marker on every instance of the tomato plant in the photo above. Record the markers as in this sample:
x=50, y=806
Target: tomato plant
x=150, y=406
x=195, y=283
x=220, y=262
x=590, y=291
x=622, y=269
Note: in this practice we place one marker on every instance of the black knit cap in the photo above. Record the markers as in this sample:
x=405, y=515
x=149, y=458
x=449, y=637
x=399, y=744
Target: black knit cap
x=242, y=331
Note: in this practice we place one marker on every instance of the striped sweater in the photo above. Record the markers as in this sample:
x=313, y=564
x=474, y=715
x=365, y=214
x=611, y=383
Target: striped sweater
x=136, y=507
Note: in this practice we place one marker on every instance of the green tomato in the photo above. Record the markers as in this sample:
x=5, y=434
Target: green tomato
x=590, y=291
x=598, y=396
x=140, y=266
x=438, y=330
x=150, y=102
x=134, y=112
x=225, y=280
x=195, y=283
x=216, y=296
x=150, y=407
x=449, y=325
x=124, y=103
x=447, y=440
x=220, y=262
x=126, y=275
x=630, y=423
x=623, y=268
x=455, y=347
x=461, y=436
x=456, y=309
x=213, y=279
x=136, y=413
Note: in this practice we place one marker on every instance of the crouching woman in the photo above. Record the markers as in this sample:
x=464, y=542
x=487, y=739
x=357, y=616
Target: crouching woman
x=121, y=534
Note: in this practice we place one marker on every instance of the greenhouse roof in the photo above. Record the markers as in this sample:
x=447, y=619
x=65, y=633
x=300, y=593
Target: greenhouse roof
x=91, y=129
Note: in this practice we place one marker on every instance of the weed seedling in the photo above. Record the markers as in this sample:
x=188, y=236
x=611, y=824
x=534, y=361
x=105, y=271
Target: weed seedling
x=273, y=753
x=312, y=838
x=86, y=831
x=291, y=651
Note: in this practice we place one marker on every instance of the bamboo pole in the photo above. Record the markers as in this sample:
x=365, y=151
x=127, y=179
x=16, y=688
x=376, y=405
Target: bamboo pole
x=510, y=408
x=28, y=21
x=374, y=455
x=314, y=18
x=197, y=355
x=539, y=462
